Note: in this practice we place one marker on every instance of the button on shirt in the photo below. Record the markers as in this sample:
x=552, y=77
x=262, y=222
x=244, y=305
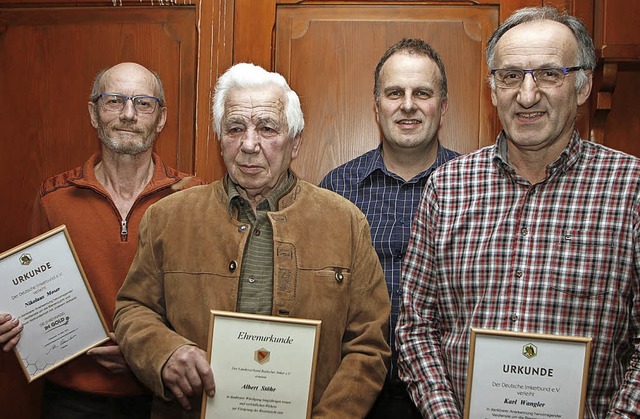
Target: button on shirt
x=389, y=203
x=488, y=252
x=255, y=291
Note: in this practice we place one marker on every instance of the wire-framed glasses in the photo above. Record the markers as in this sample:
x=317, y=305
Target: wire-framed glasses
x=115, y=102
x=511, y=78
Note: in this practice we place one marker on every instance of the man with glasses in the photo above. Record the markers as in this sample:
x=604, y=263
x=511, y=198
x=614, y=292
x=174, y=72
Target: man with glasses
x=538, y=233
x=102, y=203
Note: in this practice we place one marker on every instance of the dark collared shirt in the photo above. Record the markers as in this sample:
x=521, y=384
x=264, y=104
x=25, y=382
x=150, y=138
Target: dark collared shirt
x=255, y=293
x=389, y=203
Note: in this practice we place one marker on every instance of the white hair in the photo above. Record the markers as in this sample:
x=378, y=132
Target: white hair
x=247, y=75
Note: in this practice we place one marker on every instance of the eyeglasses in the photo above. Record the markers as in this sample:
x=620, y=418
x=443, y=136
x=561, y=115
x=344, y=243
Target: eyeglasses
x=114, y=102
x=512, y=78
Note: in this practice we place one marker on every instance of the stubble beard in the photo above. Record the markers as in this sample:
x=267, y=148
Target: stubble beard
x=130, y=147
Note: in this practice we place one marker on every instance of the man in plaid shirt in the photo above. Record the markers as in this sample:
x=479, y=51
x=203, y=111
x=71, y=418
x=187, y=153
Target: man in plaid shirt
x=538, y=233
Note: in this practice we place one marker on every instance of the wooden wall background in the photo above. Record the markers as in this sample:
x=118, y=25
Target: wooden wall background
x=51, y=49
x=320, y=50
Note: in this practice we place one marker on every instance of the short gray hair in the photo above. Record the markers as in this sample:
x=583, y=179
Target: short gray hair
x=246, y=75
x=586, y=51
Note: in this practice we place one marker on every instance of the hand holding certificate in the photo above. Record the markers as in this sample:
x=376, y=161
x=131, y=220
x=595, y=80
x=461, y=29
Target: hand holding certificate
x=514, y=375
x=263, y=366
x=43, y=285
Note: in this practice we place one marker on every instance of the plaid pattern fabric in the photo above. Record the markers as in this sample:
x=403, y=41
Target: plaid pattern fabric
x=490, y=250
x=389, y=203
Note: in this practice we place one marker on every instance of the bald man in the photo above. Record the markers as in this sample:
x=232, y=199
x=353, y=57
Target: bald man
x=101, y=204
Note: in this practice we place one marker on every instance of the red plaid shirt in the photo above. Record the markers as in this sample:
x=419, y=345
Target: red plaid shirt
x=488, y=249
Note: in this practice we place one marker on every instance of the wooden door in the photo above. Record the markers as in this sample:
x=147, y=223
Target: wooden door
x=328, y=55
x=328, y=52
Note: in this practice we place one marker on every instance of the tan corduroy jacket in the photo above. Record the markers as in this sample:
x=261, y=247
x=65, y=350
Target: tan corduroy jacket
x=189, y=261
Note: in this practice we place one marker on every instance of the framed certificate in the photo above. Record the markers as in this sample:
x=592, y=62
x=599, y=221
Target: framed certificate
x=263, y=366
x=42, y=284
x=514, y=375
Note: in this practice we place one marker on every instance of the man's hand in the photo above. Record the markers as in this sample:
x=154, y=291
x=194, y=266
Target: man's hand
x=186, y=373
x=10, y=329
x=110, y=356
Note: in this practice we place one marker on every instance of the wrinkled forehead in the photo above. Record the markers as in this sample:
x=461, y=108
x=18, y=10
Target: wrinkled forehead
x=251, y=103
x=544, y=42
x=131, y=81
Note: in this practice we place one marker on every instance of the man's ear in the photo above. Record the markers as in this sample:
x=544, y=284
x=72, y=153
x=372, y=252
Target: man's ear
x=162, y=119
x=444, y=105
x=296, y=146
x=93, y=114
x=583, y=94
x=494, y=97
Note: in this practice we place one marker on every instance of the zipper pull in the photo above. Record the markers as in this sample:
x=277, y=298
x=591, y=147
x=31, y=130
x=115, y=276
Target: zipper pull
x=123, y=229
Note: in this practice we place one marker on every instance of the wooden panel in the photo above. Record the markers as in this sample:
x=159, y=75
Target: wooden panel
x=329, y=56
x=623, y=121
x=252, y=34
x=617, y=42
x=254, y=43
x=215, y=55
x=231, y=31
x=616, y=33
x=583, y=9
x=49, y=59
x=507, y=7
x=75, y=3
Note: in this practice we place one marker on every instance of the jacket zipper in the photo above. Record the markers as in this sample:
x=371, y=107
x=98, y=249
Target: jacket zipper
x=124, y=232
x=124, y=229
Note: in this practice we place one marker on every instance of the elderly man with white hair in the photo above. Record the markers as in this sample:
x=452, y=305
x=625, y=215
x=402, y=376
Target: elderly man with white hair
x=259, y=241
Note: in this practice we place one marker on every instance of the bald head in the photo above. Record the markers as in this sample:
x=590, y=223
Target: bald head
x=126, y=72
x=132, y=128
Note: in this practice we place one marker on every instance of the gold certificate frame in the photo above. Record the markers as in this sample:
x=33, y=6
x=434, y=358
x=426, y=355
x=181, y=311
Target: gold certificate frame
x=263, y=366
x=42, y=283
x=511, y=375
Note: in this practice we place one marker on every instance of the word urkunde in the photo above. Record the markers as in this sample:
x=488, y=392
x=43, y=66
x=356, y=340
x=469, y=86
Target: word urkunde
x=32, y=273
x=523, y=370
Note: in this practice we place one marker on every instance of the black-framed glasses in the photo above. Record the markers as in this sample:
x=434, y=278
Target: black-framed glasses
x=115, y=102
x=511, y=78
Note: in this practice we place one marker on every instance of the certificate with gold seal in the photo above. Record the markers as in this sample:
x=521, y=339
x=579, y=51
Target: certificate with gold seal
x=263, y=366
x=520, y=375
x=42, y=284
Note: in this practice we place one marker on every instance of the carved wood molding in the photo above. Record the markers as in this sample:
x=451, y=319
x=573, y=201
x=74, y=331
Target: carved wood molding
x=604, y=85
x=93, y=3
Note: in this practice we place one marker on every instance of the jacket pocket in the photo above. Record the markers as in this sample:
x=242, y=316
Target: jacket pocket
x=324, y=292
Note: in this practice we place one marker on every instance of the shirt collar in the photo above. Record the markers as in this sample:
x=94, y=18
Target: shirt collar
x=270, y=203
x=376, y=162
x=160, y=178
x=569, y=156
